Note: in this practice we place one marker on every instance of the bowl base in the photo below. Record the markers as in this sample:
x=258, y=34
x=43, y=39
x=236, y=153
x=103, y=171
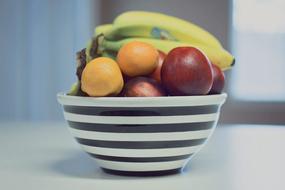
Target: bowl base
x=142, y=173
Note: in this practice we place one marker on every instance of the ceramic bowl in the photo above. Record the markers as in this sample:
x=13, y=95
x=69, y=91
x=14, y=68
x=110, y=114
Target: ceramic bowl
x=142, y=135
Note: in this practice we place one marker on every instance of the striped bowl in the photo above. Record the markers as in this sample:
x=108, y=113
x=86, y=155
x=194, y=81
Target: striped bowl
x=142, y=135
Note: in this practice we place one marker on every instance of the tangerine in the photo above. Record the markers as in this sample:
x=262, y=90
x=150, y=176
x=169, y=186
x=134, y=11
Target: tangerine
x=137, y=58
x=102, y=77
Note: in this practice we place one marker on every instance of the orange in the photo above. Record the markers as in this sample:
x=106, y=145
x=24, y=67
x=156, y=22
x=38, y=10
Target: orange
x=102, y=77
x=137, y=58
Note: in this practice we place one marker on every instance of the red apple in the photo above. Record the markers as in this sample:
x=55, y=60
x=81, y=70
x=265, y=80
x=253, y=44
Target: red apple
x=156, y=73
x=219, y=80
x=186, y=71
x=142, y=87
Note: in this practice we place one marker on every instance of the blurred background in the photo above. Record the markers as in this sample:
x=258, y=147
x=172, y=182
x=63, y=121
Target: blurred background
x=39, y=39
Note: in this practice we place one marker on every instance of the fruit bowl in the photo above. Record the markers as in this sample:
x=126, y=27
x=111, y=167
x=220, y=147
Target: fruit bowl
x=142, y=135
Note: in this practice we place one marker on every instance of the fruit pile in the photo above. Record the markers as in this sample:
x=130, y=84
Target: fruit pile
x=151, y=54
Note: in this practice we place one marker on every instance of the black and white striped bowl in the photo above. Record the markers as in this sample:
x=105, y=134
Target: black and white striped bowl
x=142, y=135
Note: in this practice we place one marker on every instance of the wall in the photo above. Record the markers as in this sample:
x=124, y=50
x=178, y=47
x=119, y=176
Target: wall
x=38, y=42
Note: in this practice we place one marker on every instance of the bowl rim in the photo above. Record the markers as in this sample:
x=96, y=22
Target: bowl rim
x=162, y=101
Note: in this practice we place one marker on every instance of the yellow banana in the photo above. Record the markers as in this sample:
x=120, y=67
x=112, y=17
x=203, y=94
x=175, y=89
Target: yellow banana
x=102, y=29
x=159, y=26
x=74, y=89
x=217, y=56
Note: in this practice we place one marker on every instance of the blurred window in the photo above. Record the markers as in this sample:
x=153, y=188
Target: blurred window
x=258, y=43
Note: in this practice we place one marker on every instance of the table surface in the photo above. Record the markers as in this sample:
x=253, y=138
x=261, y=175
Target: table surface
x=45, y=156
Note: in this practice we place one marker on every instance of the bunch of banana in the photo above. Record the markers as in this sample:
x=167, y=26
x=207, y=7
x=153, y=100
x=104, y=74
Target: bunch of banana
x=162, y=31
x=159, y=26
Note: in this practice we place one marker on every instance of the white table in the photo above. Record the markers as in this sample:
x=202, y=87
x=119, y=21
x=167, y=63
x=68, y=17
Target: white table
x=45, y=156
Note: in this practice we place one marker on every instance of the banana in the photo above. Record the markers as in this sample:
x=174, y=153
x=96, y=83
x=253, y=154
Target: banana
x=217, y=56
x=93, y=49
x=159, y=26
x=90, y=44
x=99, y=30
x=102, y=29
x=74, y=89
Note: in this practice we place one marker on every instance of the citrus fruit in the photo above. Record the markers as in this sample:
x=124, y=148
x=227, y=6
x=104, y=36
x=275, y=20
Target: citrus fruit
x=102, y=77
x=137, y=58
